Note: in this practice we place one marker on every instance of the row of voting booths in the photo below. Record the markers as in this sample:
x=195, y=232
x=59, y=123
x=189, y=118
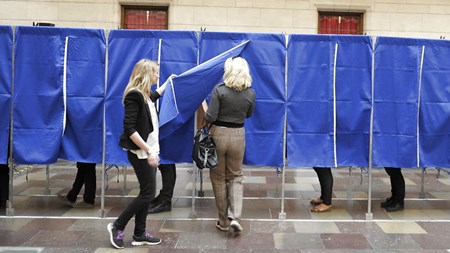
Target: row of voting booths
x=321, y=100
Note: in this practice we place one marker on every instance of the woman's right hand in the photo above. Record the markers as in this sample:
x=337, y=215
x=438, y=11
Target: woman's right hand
x=153, y=160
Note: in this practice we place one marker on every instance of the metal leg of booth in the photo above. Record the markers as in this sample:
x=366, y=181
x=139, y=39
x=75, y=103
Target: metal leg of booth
x=422, y=184
x=193, y=213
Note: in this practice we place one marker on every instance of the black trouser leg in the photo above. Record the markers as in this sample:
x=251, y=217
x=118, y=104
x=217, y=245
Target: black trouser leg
x=90, y=182
x=169, y=176
x=146, y=176
x=85, y=176
x=4, y=182
x=326, y=183
x=77, y=185
x=397, y=184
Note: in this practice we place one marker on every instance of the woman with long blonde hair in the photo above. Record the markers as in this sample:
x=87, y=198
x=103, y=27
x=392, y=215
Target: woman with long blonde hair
x=140, y=140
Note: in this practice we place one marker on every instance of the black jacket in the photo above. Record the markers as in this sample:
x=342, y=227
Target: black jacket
x=137, y=118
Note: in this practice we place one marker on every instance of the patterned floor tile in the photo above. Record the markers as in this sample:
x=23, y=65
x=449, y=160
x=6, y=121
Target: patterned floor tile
x=433, y=241
x=296, y=241
x=272, y=227
x=255, y=180
x=345, y=241
x=422, y=227
x=408, y=214
x=382, y=241
x=202, y=241
x=21, y=249
x=406, y=227
x=315, y=227
x=440, y=195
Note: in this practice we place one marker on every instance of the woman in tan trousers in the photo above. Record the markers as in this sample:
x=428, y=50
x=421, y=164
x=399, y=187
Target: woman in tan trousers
x=231, y=103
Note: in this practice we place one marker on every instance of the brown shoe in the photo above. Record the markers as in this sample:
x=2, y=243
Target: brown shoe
x=316, y=201
x=321, y=208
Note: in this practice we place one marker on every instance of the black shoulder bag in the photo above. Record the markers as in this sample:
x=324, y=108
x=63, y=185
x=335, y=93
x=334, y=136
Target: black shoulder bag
x=204, y=153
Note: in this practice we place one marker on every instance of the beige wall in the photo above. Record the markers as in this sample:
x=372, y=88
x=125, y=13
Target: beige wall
x=406, y=18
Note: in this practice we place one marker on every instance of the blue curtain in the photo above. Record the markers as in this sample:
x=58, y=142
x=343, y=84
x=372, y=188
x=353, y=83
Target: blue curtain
x=5, y=89
x=126, y=47
x=434, y=109
x=265, y=54
x=327, y=95
x=83, y=135
x=329, y=79
x=38, y=105
x=396, y=86
x=185, y=92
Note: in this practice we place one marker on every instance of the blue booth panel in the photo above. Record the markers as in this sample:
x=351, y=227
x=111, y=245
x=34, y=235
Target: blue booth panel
x=396, y=86
x=38, y=106
x=58, y=95
x=178, y=52
x=329, y=100
x=85, y=91
x=6, y=44
x=265, y=54
x=185, y=93
x=434, y=108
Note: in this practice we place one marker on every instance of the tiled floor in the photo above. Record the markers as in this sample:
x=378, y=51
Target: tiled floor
x=39, y=223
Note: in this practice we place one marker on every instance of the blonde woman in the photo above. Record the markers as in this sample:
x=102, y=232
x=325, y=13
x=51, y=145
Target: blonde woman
x=140, y=139
x=231, y=103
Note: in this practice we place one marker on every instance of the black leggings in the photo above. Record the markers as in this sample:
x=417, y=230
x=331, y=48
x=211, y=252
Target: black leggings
x=85, y=176
x=169, y=176
x=146, y=176
x=326, y=183
x=397, y=184
x=4, y=182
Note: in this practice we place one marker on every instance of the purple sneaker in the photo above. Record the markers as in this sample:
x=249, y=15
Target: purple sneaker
x=145, y=239
x=115, y=236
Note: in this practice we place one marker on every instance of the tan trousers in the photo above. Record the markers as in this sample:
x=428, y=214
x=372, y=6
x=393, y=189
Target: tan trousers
x=227, y=178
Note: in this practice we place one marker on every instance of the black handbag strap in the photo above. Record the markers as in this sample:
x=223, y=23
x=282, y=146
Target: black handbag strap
x=206, y=124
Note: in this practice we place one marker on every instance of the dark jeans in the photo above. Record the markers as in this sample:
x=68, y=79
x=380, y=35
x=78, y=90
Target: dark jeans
x=146, y=176
x=169, y=176
x=397, y=184
x=4, y=182
x=85, y=176
x=326, y=183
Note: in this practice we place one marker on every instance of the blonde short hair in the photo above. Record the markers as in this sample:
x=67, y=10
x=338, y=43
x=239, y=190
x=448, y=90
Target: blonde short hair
x=141, y=77
x=237, y=74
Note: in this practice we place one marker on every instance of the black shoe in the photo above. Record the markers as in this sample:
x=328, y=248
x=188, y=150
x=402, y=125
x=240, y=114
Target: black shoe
x=155, y=201
x=394, y=206
x=115, y=236
x=63, y=199
x=145, y=239
x=387, y=202
x=161, y=207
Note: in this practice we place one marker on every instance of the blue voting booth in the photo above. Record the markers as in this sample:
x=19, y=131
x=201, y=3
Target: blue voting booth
x=321, y=100
x=411, y=103
x=265, y=54
x=5, y=89
x=176, y=52
x=316, y=95
x=58, y=95
x=329, y=100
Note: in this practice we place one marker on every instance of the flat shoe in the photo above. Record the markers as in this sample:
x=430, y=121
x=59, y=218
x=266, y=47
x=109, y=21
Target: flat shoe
x=218, y=226
x=316, y=201
x=236, y=226
x=321, y=208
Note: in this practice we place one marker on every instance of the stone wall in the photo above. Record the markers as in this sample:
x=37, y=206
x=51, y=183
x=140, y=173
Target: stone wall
x=406, y=18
